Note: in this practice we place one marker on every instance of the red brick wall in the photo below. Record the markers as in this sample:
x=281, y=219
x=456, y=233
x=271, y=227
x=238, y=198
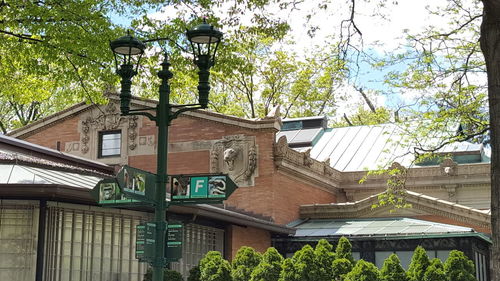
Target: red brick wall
x=65, y=131
x=275, y=195
x=239, y=236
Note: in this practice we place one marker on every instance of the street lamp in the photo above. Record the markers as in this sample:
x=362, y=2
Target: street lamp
x=128, y=51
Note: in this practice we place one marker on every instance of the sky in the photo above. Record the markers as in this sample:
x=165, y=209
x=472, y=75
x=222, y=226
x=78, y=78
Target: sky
x=382, y=35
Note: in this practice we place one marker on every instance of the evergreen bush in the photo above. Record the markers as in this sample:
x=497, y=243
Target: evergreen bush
x=300, y=267
x=392, y=270
x=418, y=265
x=244, y=263
x=269, y=268
x=214, y=268
x=363, y=271
x=344, y=250
x=194, y=274
x=435, y=271
x=168, y=275
x=459, y=267
x=323, y=260
x=340, y=267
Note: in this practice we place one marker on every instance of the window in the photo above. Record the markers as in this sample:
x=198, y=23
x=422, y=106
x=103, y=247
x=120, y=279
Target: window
x=109, y=143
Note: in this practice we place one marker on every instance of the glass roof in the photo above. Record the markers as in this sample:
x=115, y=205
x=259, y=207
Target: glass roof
x=21, y=174
x=375, y=227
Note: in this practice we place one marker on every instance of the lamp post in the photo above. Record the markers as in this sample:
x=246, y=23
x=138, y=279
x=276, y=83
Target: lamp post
x=204, y=40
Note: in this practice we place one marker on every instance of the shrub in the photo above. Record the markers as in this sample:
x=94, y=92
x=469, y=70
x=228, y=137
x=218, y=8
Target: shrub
x=214, y=268
x=458, y=267
x=323, y=260
x=418, y=265
x=244, y=263
x=300, y=267
x=435, y=271
x=194, y=274
x=344, y=250
x=363, y=271
x=340, y=267
x=269, y=267
x=392, y=270
x=168, y=275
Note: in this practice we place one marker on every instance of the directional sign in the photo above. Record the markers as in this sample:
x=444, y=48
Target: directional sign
x=107, y=192
x=173, y=250
x=145, y=241
x=192, y=189
x=136, y=183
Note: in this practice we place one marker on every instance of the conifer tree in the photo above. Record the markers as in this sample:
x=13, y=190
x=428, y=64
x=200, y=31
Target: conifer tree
x=435, y=271
x=418, y=265
x=324, y=258
x=244, y=263
x=344, y=250
x=392, y=270
x=214, y=268
x=340, y=267
x=300, y=267
x=459, y=267
x=363, y=271
x=269, y=268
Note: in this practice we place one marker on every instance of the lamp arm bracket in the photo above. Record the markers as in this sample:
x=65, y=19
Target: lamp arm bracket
x=184, y=108
x=137, y=112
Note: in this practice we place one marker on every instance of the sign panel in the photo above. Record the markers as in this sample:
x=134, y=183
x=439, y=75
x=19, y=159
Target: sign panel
x=145, y=241
x=136, y=183
x=203, y=188
x=108, y=192
x=173, y=250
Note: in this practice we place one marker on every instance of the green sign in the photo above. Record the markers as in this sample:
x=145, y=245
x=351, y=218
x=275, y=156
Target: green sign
x=192, y=189
x=108, y=192
x=145, y=241
x=173, y=250
x=136, y=183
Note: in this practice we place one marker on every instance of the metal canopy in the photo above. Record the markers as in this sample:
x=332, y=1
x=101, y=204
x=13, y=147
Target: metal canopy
x=381, y=227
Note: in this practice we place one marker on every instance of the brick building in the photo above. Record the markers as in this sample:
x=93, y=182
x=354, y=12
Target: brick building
x=282, y=172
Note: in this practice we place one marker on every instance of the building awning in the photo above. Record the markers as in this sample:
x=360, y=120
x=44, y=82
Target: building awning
x=379, y=228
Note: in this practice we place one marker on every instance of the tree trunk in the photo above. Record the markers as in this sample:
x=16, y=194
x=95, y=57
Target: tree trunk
x=490, y=46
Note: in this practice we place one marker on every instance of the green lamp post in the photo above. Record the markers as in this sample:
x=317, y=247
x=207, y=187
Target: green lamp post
x=128, y=51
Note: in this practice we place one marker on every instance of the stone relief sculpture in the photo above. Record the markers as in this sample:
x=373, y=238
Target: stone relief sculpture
x=107, y=119
x=236, y=156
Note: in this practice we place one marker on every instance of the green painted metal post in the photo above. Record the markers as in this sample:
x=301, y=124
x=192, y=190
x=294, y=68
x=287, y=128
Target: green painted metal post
x=162, y=121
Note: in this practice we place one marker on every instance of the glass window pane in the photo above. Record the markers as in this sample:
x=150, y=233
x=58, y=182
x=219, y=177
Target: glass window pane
x=110, y=144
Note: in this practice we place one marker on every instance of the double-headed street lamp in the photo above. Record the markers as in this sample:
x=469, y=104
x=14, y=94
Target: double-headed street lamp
x=128, y=51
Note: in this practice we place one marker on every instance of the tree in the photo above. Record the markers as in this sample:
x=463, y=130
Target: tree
x=435, y=271
x=244, y=263
x=392, y=270
x=418, y=265
x=363, y=271
x=269, y=268
x=300, y=267
x=344, y=250
x=459, y=267
x=340, y=268
x=214, y=268
x=323, y=260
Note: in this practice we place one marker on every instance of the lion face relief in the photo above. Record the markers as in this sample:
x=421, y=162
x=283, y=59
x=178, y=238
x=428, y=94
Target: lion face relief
x=230, y=155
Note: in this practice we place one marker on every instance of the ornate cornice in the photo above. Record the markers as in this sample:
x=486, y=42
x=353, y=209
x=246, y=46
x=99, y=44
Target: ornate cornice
x=419, y=177
x=301, y=165
x=423, y=203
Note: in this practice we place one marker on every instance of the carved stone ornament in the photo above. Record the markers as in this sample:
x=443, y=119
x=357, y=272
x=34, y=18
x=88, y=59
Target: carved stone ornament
x=236, y=156
x=107, y=119
x=448, y=167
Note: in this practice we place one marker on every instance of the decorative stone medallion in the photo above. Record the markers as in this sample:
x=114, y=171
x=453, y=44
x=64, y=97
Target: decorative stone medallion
x=237, y=156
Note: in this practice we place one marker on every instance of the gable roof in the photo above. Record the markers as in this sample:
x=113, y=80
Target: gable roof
x=137, y=103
